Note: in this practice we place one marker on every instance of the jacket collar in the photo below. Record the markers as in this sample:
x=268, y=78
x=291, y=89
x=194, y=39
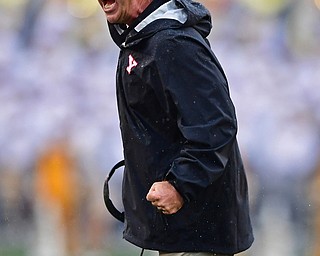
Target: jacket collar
x=119, y=32
x=168, y=10
x=175, y=13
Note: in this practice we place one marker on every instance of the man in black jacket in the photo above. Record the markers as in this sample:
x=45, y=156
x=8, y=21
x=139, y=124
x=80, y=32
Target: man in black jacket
x=184, y=186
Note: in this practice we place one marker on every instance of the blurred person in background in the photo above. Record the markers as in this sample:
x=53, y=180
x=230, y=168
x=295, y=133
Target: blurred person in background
x=31, y=16
x=315, y=191
x=57, y=202
x=15, y=205
x=184, y=188
x=283, y=159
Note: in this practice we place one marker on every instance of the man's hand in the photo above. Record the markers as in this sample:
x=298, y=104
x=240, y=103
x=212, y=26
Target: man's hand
x=165, y=197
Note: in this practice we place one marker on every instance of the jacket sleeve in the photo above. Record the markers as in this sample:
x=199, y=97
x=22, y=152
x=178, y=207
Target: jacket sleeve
x=194, y=81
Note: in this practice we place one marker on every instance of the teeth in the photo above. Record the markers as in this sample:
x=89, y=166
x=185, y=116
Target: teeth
x=107, y=3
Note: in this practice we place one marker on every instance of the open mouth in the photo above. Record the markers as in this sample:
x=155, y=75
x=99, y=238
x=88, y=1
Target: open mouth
x=107, y=4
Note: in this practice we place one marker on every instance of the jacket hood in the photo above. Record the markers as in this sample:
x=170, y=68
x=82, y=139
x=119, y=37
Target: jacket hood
x=198, y=16
x=177, y=13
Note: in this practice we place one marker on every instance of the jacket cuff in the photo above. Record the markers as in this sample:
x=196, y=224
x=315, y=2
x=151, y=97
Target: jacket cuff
x=173, y=181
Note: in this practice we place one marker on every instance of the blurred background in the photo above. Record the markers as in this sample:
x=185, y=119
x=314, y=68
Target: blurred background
x=59, y=132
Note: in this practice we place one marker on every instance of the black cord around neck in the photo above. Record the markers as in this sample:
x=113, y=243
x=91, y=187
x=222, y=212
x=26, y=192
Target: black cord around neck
x=142, y=251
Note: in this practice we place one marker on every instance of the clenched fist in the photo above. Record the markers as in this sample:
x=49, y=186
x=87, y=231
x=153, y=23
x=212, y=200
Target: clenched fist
x=165, y=197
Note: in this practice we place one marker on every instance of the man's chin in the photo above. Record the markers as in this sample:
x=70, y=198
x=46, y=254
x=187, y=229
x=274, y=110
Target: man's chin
x=112, y=17
x=115, y=19
x=111, y=20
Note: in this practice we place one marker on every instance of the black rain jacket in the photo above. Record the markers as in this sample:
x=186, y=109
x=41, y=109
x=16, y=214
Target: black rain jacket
x=178, y=123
